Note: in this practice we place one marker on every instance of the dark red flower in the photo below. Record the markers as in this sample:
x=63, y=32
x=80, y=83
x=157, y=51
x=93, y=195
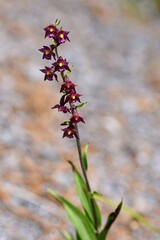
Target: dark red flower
x=73, y=97
x=47, y=52
x=61, y=37
x=51, y=31
x=61, y=65
x=76, y=118
x=70, y=132
x=49, y=74
x=67, y=86
x=61, y=108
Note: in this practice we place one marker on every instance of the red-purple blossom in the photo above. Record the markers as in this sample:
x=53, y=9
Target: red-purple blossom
x=47, y=52
x=61, y=37
x=76, y=118
x=49, y=74
x=70, y=132
x=61, y=65
x=51, y=31
x=67, y=103
x=73, y=97
x=61, y=108
x=67, y=86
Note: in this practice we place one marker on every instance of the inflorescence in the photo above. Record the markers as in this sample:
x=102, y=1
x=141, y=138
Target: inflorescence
x=70, y=97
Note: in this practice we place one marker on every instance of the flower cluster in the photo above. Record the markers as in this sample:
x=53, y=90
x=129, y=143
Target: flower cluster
x=70, y=97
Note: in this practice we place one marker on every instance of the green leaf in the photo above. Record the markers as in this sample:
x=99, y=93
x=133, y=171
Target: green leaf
x=84, y=157
x=78, y=237
x=82, y=192
x=98, y=213
x=81, y=105
x=67, y=235
x=77, y=218
x=111, y=218
x=85, y=196
x=129, y=211
x=65, y=123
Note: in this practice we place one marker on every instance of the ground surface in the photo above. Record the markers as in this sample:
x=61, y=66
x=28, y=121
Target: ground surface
x=116, y=58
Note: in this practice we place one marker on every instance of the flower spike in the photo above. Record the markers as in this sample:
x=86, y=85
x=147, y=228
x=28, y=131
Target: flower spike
x=60, y=67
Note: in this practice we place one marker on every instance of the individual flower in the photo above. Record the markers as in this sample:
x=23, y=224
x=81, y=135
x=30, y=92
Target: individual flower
x=76, y=118
x=61, y=108
x=50, y=31
x=73, y=97
x=70, y=132
x=47, y=52
x=61, y=65
x=61, y=37
x=67, y=86
x=49, y=74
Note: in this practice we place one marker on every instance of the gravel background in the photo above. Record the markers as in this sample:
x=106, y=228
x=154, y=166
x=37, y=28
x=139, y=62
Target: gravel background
x=115, y=50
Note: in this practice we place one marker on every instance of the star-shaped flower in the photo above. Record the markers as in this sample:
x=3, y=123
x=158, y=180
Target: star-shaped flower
x=49, y=74
x=61, y=65
x=73, y=97
x=70, y=132
x=51, y=31
x=61, y=108
x=47, y=52
x=76, y=118
x=61, y=37
x=67, y=86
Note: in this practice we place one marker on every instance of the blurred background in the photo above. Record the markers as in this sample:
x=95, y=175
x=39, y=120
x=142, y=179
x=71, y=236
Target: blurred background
x=115, y=50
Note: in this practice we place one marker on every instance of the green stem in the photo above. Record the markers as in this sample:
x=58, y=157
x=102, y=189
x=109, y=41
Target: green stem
x=86, y=179
x=56, y=51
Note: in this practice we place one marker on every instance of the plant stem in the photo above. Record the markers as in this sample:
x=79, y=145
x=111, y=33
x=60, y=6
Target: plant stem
x=86, y=179
x=56, y=51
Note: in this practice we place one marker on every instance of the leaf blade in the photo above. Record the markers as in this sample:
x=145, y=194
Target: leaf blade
x=84, y=157
x=77, y=218
x=111, y=219
x=129, y=211
x=82, y=192
x=81, y=105
x=67, y=235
